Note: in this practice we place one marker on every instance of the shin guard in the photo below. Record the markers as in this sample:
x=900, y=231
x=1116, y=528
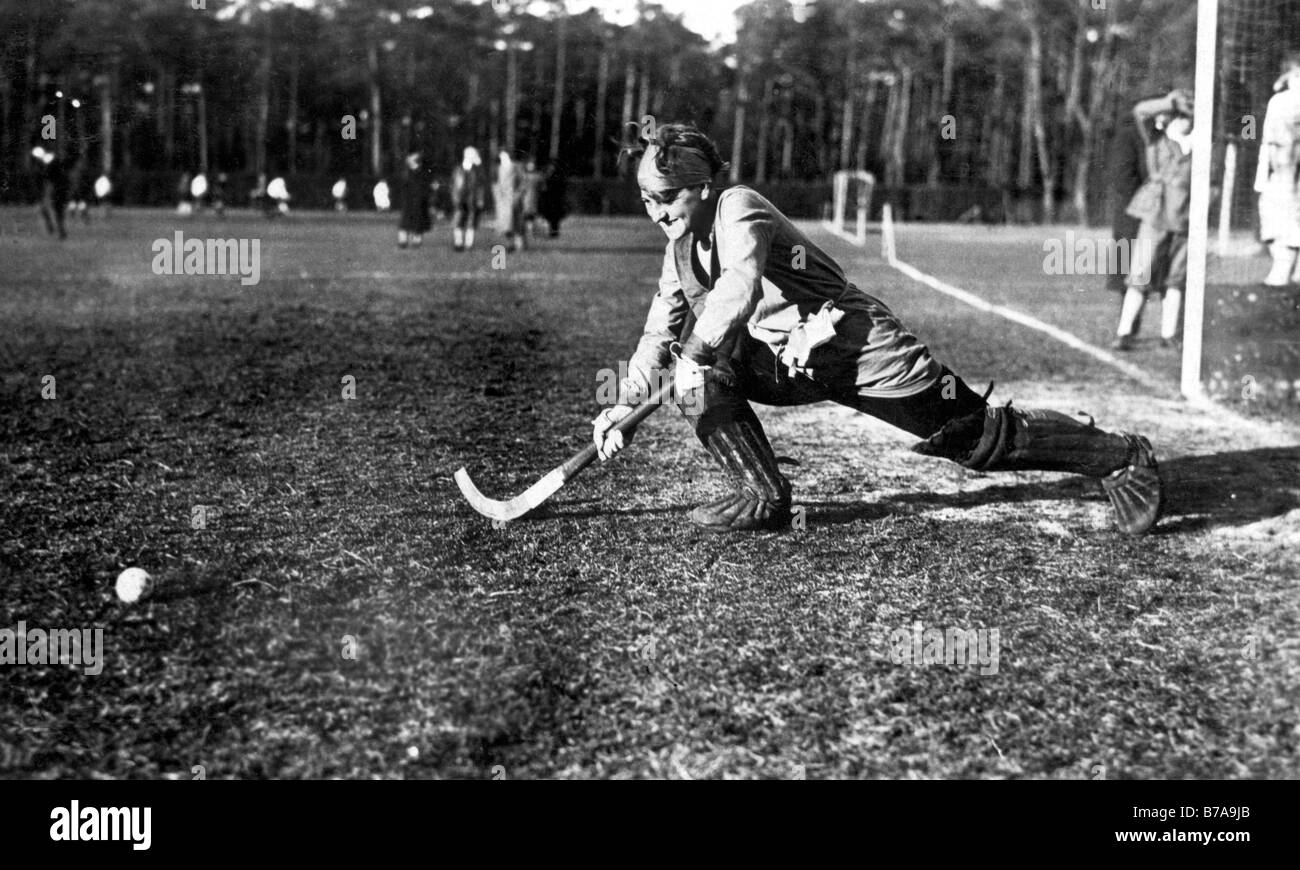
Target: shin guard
x=1009, y=439
x=734, y=437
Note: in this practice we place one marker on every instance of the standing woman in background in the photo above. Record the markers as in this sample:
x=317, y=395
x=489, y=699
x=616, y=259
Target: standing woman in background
x=528, y=199
x=52, y=181
x=1277, y=180
x=468, y=198
x=415, y=203
x=553, y=201
x=1162, y=205
x=508, y=197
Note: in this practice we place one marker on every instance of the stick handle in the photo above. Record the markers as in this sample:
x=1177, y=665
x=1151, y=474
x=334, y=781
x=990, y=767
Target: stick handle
x=587, y=455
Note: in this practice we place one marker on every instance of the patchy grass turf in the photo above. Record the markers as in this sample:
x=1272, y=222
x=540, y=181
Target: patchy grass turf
x=604, y=638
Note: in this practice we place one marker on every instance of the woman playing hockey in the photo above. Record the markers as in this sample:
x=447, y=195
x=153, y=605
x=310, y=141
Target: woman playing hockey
x=777, y=322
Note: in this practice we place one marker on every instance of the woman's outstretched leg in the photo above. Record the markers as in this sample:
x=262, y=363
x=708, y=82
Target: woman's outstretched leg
x=1010, y=439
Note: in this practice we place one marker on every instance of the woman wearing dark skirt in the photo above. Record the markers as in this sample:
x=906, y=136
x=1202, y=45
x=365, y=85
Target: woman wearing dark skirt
x=468, y=198
x=552, y=203
x=415, y=203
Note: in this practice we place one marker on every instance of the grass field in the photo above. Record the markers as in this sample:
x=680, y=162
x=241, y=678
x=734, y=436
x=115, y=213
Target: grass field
x=342, y=613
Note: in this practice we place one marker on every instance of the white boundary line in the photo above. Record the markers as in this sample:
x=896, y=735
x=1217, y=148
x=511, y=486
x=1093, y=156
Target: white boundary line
x=1011, y=314
x=1034, y=323
x=1201, y=403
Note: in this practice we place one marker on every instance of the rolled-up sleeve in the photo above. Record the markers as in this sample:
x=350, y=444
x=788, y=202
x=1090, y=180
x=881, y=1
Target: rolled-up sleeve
x=744, y=230
x=663, y=323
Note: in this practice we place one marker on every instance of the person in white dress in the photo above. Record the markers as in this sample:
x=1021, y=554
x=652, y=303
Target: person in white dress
x=1277, y=180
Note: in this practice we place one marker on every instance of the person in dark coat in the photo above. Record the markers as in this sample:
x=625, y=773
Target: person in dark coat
x=553, y=204
x=415, y=203
x=52, y=179
x=1128, y=172
x=468, y=198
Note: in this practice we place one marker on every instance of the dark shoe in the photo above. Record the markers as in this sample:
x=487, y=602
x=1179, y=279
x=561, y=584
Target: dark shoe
x=762, y=497
x=1136, y=491
x=458, y=247
x=1170, y=343
x=1122, y=342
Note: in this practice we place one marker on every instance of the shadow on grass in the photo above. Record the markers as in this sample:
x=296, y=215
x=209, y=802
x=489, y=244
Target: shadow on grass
x=1220, y=489
x=1230, y=489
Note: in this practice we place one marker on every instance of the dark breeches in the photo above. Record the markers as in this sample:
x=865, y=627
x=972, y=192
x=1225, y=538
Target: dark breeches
x=754, y=375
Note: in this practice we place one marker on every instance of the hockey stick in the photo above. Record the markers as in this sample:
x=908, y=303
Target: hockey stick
x=558, y=476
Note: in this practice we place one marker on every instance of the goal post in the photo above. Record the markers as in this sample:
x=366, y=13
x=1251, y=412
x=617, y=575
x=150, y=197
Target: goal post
x=1207, y=27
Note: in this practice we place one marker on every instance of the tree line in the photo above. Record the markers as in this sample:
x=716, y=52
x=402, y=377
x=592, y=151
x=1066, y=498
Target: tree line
x=1021, y=95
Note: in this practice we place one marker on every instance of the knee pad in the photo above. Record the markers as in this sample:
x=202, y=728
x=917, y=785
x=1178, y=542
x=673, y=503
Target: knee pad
x=718, y=402
x=977, y=441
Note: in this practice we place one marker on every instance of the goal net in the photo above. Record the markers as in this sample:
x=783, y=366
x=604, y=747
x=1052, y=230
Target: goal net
x=851, y=202
x=1235, y=337
x=1252, y=38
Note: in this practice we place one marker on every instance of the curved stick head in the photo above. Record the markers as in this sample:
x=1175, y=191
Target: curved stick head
x=515, y=507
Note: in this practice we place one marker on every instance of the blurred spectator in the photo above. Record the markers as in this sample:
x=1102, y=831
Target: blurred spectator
x=278, y=192
x=184, y=205
x=219, y=194
x=507, y=195
x=81, y=189
x=415, y=220
x=199, y=190
x=468, y=198
x=528, y=197
x=437, y=198
x=382, y=196
x=554, y=197
x=53, y=182
x=1161, y=206
x=103, y=189
x=1277, y=179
